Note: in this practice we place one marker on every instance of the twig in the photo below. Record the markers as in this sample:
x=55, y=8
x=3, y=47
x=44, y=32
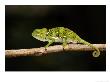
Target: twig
x=57, y=48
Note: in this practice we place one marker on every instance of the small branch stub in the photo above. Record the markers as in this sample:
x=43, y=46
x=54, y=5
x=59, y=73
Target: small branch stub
x=57, y=48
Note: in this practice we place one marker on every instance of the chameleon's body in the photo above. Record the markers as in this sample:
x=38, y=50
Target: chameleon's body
x=63, y=35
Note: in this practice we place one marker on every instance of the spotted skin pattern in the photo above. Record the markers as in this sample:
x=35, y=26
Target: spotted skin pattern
x=62, y=35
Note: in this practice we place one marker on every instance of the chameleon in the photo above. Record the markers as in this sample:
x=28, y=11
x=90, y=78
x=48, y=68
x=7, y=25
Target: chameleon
x=62, y=35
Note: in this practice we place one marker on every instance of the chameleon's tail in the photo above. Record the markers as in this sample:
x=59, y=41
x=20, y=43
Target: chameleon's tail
x=96, y=53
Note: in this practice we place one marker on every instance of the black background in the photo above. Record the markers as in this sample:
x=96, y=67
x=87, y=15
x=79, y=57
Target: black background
x=88, y=21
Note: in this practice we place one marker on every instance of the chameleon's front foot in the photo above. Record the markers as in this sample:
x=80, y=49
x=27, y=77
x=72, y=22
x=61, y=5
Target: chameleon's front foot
x=50, y=42
x=45, y=51
x=64, y=46
x=46, y=47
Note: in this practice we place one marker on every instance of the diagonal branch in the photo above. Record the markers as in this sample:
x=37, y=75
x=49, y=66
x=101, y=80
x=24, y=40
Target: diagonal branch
x=57, y=48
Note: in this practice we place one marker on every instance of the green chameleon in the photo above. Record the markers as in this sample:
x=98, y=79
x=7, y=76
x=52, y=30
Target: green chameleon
x=63, y=35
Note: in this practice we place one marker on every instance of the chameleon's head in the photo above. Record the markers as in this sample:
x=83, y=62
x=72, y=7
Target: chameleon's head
x=40, y=34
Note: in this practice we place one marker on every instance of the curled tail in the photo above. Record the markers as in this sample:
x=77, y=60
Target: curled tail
x=96, y=53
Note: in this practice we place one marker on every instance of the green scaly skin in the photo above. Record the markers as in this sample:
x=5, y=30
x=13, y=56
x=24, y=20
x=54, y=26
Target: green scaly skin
x=63, y=35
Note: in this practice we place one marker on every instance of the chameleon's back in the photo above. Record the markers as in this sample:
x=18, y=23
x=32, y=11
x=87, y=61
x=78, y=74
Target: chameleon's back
x=60, y=33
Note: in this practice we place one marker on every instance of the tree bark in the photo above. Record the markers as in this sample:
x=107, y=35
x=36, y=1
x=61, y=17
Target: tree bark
x=57, y=48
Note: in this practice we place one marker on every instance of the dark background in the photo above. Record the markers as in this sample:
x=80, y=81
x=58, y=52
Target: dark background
x=88, y=21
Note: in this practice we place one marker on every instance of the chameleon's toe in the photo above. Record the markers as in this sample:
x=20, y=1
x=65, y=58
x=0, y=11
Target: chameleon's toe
x=45, y=48
x=65, y=46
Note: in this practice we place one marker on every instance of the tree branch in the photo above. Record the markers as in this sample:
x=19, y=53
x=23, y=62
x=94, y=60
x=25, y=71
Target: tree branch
x=57, y=48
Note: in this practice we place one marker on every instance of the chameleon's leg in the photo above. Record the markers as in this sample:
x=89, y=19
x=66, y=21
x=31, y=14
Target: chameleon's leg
x=50, y=42
x=64, y=43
